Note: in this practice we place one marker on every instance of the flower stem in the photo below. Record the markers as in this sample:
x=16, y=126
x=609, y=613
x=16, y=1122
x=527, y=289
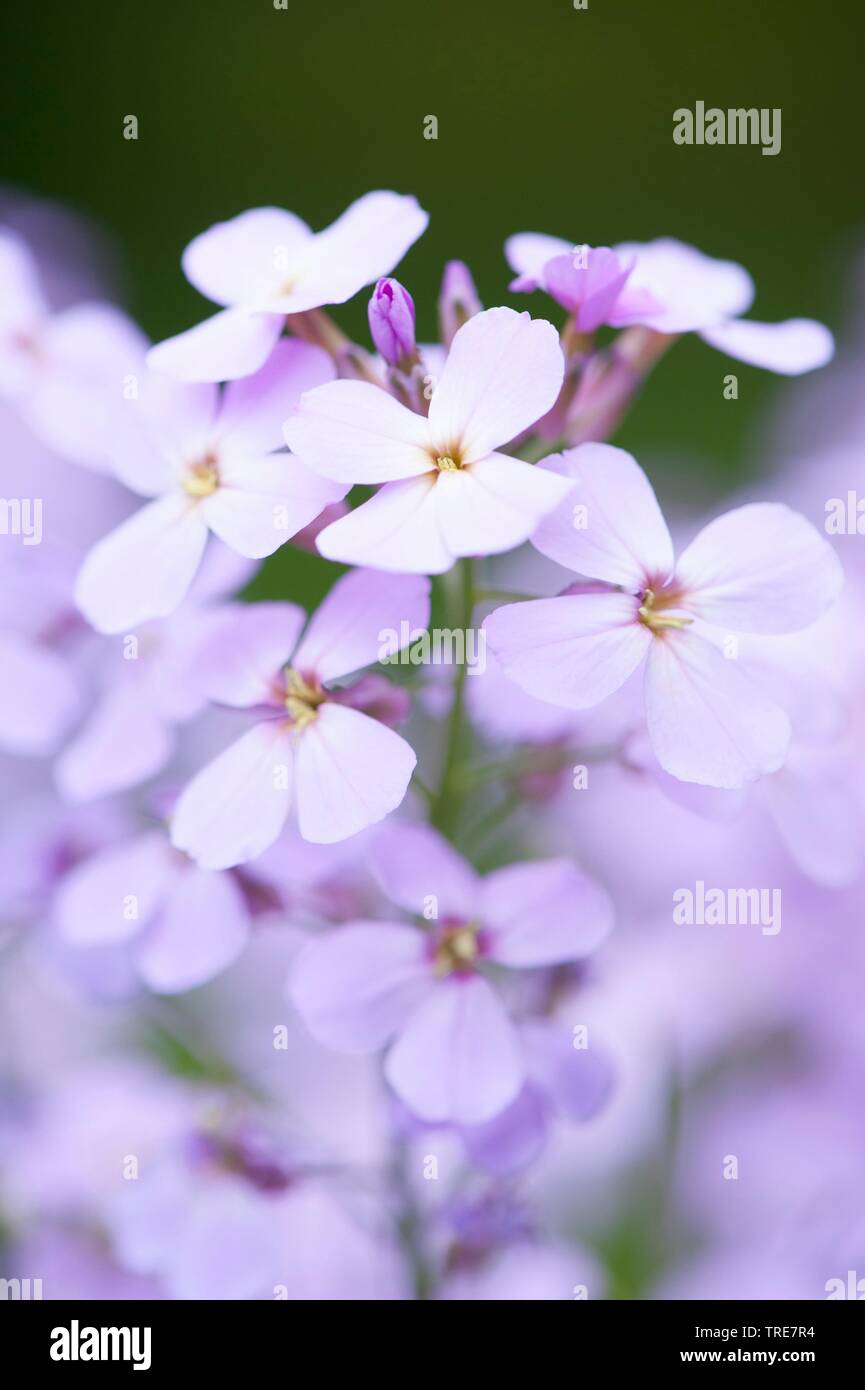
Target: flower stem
x=445, y=805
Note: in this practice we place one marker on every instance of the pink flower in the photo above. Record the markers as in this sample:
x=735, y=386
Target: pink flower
x=448, y=492
x=208, y=463
x=670, y=287
x=342, y=769
x=453, y=1052
x=267, y=263
x=757, y=569
x=63, y=371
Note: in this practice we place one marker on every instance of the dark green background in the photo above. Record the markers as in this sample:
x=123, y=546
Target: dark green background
x=549, y=119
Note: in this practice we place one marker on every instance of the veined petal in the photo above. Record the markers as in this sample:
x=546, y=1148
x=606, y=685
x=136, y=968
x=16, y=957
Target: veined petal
x=229, y=344
x=356, y=986
x=610, y=526
x=529, y=252
x=351, y=771
x=143, y=569
x=414, y=862
x=458, y=1059
x=254, y=408
x=574, y=650
x=503, y=372
x=791, y=347
x=397, y=529
x=355, y=432
x=235, y=807
x=707, y=720
x=345, y=632
x=495, y=504
x=262, y=502
x=760, y=568
x=543, y=913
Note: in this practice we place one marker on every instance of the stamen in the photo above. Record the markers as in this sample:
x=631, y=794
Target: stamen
x=302, y=698
x=457, y=950
x=654, y=618
x=202, y=479
x=446, y=464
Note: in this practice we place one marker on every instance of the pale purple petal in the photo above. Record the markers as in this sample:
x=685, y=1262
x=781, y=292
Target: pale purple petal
x=696, y=290
x=243, y=260
x=543, y=913
x=200, y=929
x=503, y=372
x=22, y=303
x=39, y=696
x=760, y=568
x=254, y=408
x=589, y=291
x=414, y=862
x=229, y=344
x=355, y=987
x=262, y=502
x=123, y=743
x=345, y=633
x=237, y=805
x=366, y=242
x=529, y=252
x=512, y=1139
x=818, y=817
x=246, y=651
x=495, y=504
x=351, y=772
x=112, y=895
x=791, y=347
x=574, y=650
x=355, y=432
x=397, y=529
x=143, y=569
x=610, y=527
x=578, y=1080
x=458, y=1059
x=708, y=721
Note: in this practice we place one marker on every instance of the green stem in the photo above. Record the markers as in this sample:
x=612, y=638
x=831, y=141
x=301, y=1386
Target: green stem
x=445, y=805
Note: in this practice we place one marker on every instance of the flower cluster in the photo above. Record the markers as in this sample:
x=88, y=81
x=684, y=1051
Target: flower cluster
x=382, y=870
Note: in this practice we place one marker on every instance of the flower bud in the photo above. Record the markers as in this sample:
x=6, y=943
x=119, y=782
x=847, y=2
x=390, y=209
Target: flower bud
x=458, y=301
x=391, y=322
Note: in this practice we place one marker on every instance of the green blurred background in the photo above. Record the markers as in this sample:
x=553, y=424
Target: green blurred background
x=550, y=119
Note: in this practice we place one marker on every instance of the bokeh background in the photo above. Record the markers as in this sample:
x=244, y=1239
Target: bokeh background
x=550, y=119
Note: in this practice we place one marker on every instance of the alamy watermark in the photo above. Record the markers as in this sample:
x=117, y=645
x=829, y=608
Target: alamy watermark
x=438, y=646
x=735, y=126
x=721, y=907
x=22, y=516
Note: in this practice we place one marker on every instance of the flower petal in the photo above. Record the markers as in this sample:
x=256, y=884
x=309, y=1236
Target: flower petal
x=760, y=568
x=202, y=927
x=246, y=650
x=528, y=253
x=495, y=504
x=397, y=529
x=254, y=407
x=574, y=650
x=578, y=1080
x=414, y=862
x=244, y=260
x=512, y=1139
x=366, y=242
x=113, y=894
x=458, y=1059
x=235, y=807
x=229, y=344
x=696, y=290
x=355, y=432
x=503, y=372
x=355, y=987
x=123, y=743
x=543, y=913
x=610, y=527
x=346, y=631
x=791, y=347
x=707, y=721
x=143, y=569
x=39, y=697
x=262, y=502
x=351, y=771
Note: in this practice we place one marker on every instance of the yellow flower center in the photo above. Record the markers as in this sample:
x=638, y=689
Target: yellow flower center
x=457, y=949
x=302, y=698
x=651, y=611
x=202, y=478
x=445, y=463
